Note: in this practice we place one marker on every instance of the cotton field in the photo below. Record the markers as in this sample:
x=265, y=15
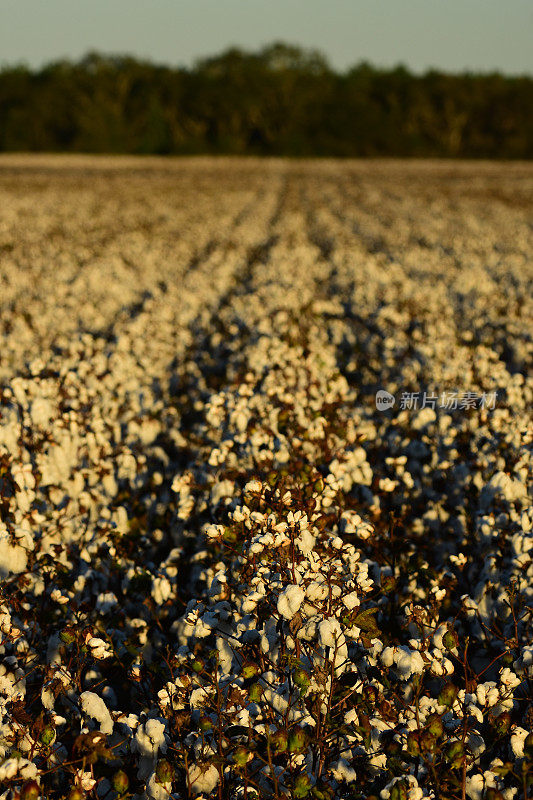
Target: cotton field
x=227, y=569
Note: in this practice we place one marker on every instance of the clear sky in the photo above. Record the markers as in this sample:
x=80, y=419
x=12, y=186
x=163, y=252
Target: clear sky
x=452, y=35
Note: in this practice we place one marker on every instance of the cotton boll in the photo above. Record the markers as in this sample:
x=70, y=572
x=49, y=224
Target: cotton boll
x=387, y=657
x=94, y=707
x=475, y=785
x=13, y=557
x=203, y=778
x=106, y=601
x=87, y=781
x=305, y=542
x=317, y=590
x=517, y=741
x=408, y=662
x=342, y=771
x=161, y=589
x=18, y=766
x=41, y=411
x=290, y=600
x=98, y=648
x=351, y=600
x=509, y=679
x=156, y=790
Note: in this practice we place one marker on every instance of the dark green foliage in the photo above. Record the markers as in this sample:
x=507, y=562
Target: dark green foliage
x=280, y=101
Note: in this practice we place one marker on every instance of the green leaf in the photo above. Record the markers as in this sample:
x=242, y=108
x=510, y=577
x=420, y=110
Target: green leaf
x=366, y=620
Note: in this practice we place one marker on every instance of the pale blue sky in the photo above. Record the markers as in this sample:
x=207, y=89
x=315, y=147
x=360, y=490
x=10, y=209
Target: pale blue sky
x=448, y=34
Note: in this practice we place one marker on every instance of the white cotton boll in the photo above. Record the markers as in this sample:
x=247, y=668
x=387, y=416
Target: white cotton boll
x=93, y=706
x=408, y=662
x=305, y=542
x=203, y=778
x=387, y=657
x=225, y=655
x=156, y=790
x=161, y=590
x=526, y=522
x=21, y=766
x=342, y=771
x=414, y=791
x=525, y=662
x=253, y=486
x=493, y=696
x=5, y=620
x=387, y=485
x=517, y=741
x=149, y=739
x=317, y=590
x=447, y=666
x=8, y=769
x=509, y=679
x=13, y=558
x=290, y=601
x=214, y=531
x=330, y=633
x=249, y=602
x=440, y=594
x=87, y=781
x=475, y=785
x=58, y=597
x=201, y=630
x=481, y=694
x=99, y=648
x=47, y=698
x=351, y=717
x=351, y=600
x=106, y=601
x=41, y=412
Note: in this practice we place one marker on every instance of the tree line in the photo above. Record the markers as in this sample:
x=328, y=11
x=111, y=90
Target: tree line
x=282, y=100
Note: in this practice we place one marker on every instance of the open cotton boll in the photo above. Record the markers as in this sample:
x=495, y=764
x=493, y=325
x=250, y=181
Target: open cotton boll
x=317, y=590
x=474, y=786
x=17, y=766
x=342, y=771
x=203, y=778
x=99, y=648
x=408, y=662
x=13, y=557
x=387, y=656
x=502, y=484
x=150, y=738
x=331, y=636
x=41, y=411
x=156, y=790
x=351, y=600
x=106, y=601
x=305, y=542
x=93, y=706
x=517, y=742
x=290, y=600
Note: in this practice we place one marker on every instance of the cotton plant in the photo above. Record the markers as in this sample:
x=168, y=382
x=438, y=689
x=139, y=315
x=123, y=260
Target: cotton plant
x=223, y=572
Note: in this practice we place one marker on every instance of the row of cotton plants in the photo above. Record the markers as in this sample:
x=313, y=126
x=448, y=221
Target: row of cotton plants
x=224, y=572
